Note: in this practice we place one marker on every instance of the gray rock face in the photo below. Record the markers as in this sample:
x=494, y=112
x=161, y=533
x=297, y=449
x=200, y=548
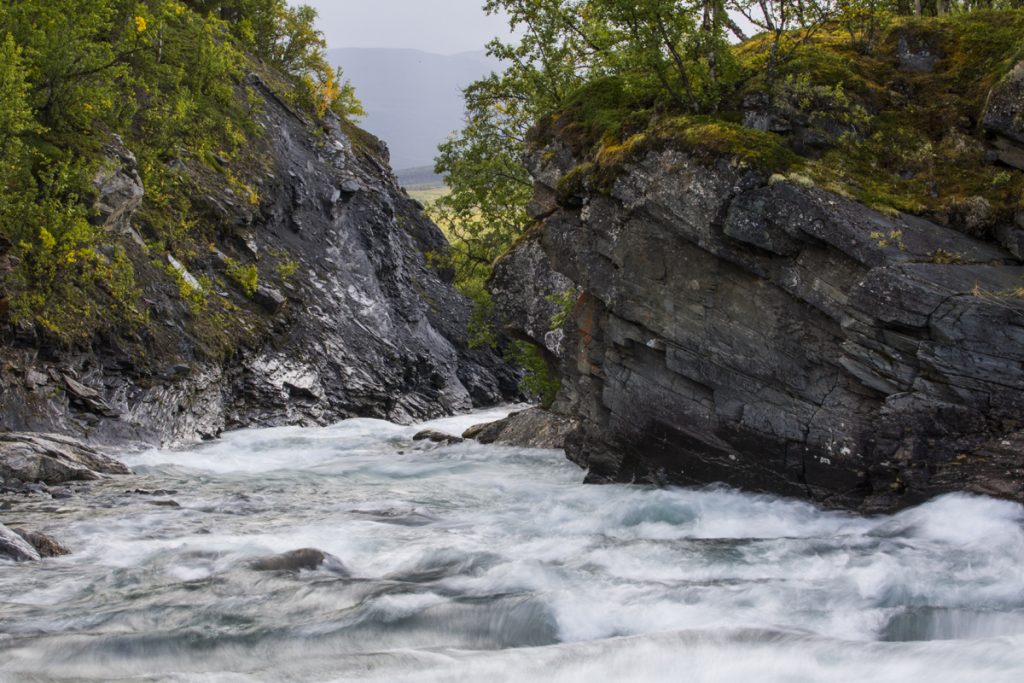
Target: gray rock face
x=778, y=337
x=361, y=326
x=530, y=428
x=526, y=292
x=14, y=547
x=52, y=459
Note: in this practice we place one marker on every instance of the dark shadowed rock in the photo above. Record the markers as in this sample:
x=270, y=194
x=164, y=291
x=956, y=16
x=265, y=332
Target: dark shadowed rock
x=52, y=459
x=530, y=428
x=914, y=53
x=781, y=338
x=1004, y=117
x=269, y=298
x=437, y=437
x=165, y=503
x=296, y=560
x=14, y=547
x=46, y=546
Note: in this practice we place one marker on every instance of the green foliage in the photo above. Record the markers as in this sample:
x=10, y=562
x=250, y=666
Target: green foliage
x=165, y=75
x=539, y=381
x=918, y=150
x=287, y=268
x=286, y=38
x=566, y=302
x=62, y=281
x=245, y=276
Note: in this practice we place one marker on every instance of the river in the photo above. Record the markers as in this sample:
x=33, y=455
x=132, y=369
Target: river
x=484, y=563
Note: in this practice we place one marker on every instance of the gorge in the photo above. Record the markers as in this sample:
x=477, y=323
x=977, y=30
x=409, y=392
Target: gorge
x=711, y=363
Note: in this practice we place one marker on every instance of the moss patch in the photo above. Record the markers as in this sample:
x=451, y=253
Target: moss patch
x=903, y=140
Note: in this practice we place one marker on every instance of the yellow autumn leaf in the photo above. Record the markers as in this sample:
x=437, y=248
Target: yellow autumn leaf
x=140, y=24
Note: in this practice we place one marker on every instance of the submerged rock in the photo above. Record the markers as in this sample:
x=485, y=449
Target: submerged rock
x=296, y=560
x=14, y=547
x=437, y=437
x=530, y=428
x=52, y=459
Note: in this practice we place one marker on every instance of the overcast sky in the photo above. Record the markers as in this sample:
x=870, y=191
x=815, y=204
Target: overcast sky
x=443, y=26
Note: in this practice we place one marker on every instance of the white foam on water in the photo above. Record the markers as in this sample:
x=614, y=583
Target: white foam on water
x=470, y=562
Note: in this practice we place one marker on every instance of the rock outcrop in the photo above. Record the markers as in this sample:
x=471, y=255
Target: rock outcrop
x=348, y=318
x=14, y=547
x=1004, y=117
x=530, y=428
x=759, y=331
x=52, y=459
x=526, y=293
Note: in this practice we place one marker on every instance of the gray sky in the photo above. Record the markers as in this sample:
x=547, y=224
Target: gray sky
x=443, y=26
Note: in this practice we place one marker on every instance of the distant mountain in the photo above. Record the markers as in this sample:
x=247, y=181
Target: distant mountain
x=413, y=98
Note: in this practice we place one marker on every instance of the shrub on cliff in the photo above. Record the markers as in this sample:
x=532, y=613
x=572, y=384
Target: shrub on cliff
x=166, y=76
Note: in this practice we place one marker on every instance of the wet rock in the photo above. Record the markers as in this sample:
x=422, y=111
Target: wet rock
x=157, y=492
x=530, y=428
x=46, y=546
x=52, y=459
x=165, y=503
x=14, y=547
x=437, y=437
x=296, y=560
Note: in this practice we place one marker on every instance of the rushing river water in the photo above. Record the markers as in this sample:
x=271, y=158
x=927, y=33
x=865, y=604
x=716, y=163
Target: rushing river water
x=479, y=563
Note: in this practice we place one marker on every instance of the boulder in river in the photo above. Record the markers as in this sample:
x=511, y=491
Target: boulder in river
x=296, y=560
x=44, y=544
x=437, y=437
x=530, y=428
x=15, y=547
x=52, y=459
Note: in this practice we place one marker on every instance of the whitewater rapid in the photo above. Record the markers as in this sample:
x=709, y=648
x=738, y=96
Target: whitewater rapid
x=471, y=563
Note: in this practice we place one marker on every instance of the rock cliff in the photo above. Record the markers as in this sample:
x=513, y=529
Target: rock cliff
x=750, y=328
x=342, y=315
